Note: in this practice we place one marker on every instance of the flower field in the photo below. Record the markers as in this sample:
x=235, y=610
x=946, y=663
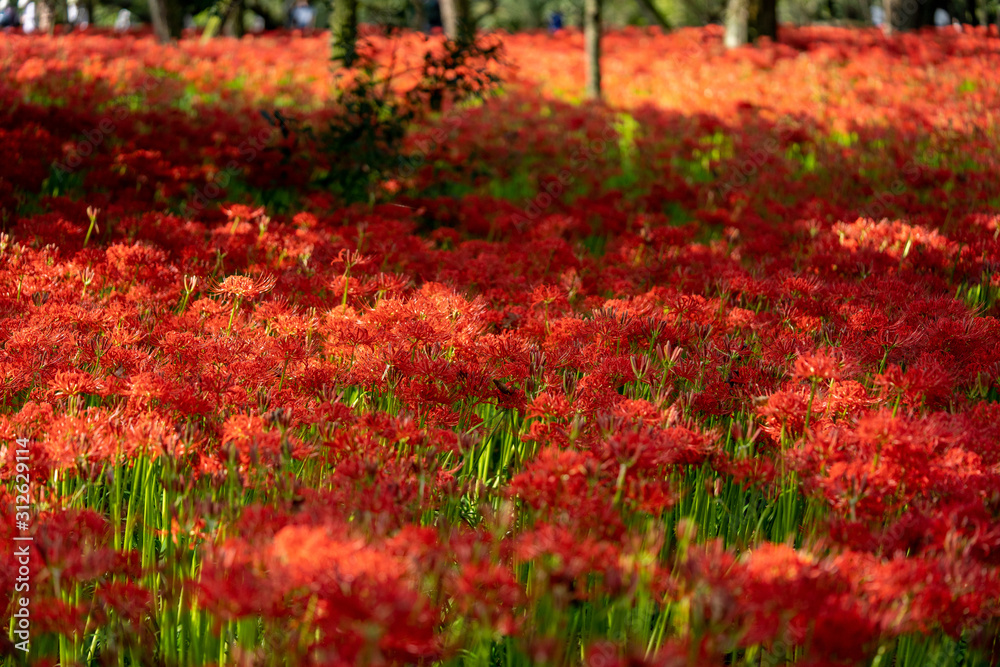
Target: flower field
x=706, y=375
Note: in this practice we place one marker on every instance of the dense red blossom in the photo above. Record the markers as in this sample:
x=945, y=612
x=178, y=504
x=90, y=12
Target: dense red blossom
x=567, y=391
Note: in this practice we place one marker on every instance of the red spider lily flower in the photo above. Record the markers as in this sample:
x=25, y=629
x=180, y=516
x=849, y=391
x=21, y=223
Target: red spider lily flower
x=245, y=287
x=672, y=653
x=549, y=405
x=128, y=600
x=787, y=410
x=240, y=212
x=250, y=441
x=489, y=594
x=73, y=383
x=820, y=365
x=564, y=561
x=365, y=598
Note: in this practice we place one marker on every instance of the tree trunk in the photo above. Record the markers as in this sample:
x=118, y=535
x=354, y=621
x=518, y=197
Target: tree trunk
x=737, y=23
x=457, y=19
x=592, y=45
x=419, y=21
x=168, y=21
x=766, y=20
x=923, y=17
x=232, y=22
x=46, y=13
x=449, y=17
x=905, y=15
x=653, y=15
x=344, y=32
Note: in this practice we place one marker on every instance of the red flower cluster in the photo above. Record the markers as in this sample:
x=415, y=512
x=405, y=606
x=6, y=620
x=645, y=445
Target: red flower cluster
x=709, y=377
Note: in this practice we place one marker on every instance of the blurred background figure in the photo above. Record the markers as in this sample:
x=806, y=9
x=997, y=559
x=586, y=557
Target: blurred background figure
x=8, y=14
x=29, y=20
x=941, y=18
x=555, y=21
x=123, y=22
x=878, y=16
x=77, y=15
x=432, y=10
x=303, y=15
